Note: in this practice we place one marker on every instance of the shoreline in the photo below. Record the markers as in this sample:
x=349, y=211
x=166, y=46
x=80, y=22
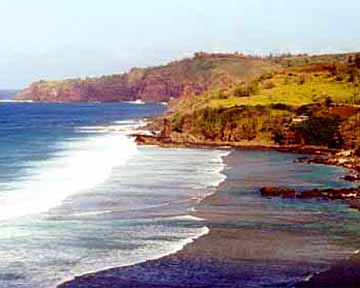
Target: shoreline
x=77, y=280
x=315, y=154
x=344, y=274
x=195, y=254
x=93, y=277
x=146, y=139
x=188, y=241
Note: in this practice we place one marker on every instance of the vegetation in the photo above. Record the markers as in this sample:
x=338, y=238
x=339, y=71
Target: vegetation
x=244, y=123
x=321, y=130
x=350, y=131
x=310, y=100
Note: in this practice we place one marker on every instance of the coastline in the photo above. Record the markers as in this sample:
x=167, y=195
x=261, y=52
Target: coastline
x=315, y=154
x=151, y=139
x=344, y=274
x=198, y=255
x=112, y=276
x=203, y=256
x=221, y=256
x=92, y=277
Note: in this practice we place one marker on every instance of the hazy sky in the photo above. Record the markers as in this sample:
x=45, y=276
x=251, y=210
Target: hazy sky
x=48, y=39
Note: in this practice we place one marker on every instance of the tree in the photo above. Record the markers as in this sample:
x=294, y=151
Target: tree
x=328, y=101
x=357, y=61
x=321, y=130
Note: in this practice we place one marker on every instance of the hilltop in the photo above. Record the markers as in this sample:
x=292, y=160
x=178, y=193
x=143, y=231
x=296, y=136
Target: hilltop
x=192, y=76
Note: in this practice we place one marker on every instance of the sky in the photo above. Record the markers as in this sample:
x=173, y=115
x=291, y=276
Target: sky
x=44, y=39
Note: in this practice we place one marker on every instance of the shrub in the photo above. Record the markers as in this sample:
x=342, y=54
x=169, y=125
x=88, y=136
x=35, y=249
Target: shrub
x=357, y=60
x=266, y=76
x=281, y=106
x=268, y=84
x=353, y=76
x=350, y=131
x=357, y=151
x=301, y=80
x=222, y=94
x=321, y=130
x=246, y=90
x=286, y=80
x=328, y=101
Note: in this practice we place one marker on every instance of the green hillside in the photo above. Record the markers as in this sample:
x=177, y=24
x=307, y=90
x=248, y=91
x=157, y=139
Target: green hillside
x=321, y=90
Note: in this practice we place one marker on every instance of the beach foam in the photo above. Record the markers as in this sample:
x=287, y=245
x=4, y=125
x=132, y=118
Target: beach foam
x=172, y=233
x=79, y=165
x=167, y=250
x=101, y=201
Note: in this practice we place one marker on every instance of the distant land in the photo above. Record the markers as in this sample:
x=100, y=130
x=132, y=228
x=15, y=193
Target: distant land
x=191, y=76
x=236, y=99
x=194, y=76
x=7, y=94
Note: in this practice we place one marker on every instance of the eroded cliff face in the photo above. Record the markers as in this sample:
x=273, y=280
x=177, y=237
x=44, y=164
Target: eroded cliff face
x=158, y=84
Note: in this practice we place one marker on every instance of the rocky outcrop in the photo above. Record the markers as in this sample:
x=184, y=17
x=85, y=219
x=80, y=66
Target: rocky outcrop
x=331, y=194
x=352, y=177
x=346, y=158
x=276, y=192
x=350, y=194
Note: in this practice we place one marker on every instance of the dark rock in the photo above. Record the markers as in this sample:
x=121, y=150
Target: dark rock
x=275, y=192
x=315, y=193
x=355, y=204
x=352, y=178
x=150, y=140
x=331, y=194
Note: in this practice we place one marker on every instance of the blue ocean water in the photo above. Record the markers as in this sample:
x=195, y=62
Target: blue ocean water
x=77, y=195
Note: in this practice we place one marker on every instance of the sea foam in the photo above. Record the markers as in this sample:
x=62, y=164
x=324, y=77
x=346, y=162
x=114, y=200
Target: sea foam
x=78, y=166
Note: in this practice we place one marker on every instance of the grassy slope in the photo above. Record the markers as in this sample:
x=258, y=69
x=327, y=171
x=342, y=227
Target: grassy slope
x=288, y=90
x=301, y=81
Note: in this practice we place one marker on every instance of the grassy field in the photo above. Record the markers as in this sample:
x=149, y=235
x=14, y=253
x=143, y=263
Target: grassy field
x=296, y=90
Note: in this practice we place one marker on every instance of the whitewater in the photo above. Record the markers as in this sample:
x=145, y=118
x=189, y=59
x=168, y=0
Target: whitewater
x=77, y=195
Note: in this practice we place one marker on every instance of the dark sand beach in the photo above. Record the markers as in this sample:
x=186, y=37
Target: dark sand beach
x=345, y=274
x=250, y=244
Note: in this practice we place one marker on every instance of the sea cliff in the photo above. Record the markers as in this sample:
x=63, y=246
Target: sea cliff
x=187, y=77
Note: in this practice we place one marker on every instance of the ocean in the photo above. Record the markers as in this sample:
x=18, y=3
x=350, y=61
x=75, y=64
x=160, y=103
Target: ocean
x=77, y=195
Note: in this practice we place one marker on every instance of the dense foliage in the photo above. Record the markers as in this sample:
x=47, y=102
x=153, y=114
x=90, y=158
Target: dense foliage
x=321, y=130
x=243, y=123
x=311, y=101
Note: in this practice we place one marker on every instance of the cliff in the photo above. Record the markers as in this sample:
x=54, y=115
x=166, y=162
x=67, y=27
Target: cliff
x=191, y=76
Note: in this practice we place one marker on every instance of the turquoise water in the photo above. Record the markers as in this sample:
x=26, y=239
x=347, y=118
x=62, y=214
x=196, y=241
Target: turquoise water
x=291, y=239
